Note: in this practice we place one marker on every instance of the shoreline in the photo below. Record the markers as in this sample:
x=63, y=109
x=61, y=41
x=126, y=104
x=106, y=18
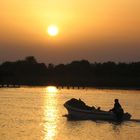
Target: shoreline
x=75, y=87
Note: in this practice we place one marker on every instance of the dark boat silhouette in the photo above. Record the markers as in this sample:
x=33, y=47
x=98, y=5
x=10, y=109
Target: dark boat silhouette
x=77, y=109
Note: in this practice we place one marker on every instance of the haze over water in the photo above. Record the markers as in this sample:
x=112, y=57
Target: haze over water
x=36, y=114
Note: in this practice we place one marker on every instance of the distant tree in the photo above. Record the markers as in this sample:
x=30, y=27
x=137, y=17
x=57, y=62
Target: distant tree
x=29, y=71
x=51, y=66
x=31, y=59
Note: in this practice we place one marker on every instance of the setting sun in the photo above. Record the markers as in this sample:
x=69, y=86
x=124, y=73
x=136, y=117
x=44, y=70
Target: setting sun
x=53, y=30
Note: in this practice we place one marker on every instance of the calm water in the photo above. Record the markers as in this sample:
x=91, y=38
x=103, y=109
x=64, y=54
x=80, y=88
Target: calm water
x=36, y=114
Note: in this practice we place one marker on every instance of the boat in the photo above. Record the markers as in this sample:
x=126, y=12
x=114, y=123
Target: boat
x=77, y=109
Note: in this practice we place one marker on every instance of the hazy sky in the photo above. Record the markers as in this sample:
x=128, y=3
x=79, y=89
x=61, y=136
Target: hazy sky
x=96, y=30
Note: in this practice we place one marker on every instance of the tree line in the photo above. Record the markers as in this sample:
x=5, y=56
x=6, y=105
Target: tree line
x=76, y=73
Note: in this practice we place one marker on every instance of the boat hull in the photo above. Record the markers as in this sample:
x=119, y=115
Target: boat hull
x=80, y=114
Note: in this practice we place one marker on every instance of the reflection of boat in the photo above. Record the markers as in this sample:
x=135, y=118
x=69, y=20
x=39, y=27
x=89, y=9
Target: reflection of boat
x=90, y=114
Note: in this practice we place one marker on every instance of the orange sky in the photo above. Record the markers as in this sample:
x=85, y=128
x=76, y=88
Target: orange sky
x=97, y=30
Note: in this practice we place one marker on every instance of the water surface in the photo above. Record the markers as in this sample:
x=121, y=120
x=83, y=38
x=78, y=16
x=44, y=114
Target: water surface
x=36, y=114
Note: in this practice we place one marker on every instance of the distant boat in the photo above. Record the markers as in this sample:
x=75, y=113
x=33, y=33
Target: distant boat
x=91, y=114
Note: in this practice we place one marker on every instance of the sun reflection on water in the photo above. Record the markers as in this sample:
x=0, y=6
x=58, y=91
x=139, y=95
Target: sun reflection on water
x=51, y=89
x=50, y=113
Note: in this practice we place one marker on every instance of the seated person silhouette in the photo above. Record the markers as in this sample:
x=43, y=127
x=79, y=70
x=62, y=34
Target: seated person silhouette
x=118, y=110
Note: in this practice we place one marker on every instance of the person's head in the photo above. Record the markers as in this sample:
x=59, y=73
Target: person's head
x=116, y=100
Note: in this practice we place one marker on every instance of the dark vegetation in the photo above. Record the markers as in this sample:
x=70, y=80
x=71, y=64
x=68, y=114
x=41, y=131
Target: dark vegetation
x=76, y=73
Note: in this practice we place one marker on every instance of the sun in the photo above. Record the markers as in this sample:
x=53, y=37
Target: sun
x=53, y=30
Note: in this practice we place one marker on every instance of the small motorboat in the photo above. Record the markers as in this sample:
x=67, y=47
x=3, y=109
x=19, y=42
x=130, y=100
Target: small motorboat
x=77, y=109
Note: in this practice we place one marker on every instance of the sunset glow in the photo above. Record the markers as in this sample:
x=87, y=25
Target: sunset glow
x=69, y=69
x=55, y=30
x=52, y=30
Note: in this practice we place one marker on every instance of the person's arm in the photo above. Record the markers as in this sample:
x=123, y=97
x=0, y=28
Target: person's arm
x=112, y=108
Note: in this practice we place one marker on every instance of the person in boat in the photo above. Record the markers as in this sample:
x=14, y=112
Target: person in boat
x=118, y=110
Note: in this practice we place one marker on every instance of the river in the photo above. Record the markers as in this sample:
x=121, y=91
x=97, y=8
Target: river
x=30, y=113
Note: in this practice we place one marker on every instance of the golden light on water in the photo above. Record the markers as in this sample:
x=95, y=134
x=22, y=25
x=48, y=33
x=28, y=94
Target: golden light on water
x=50, y=113
x=51, y=89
